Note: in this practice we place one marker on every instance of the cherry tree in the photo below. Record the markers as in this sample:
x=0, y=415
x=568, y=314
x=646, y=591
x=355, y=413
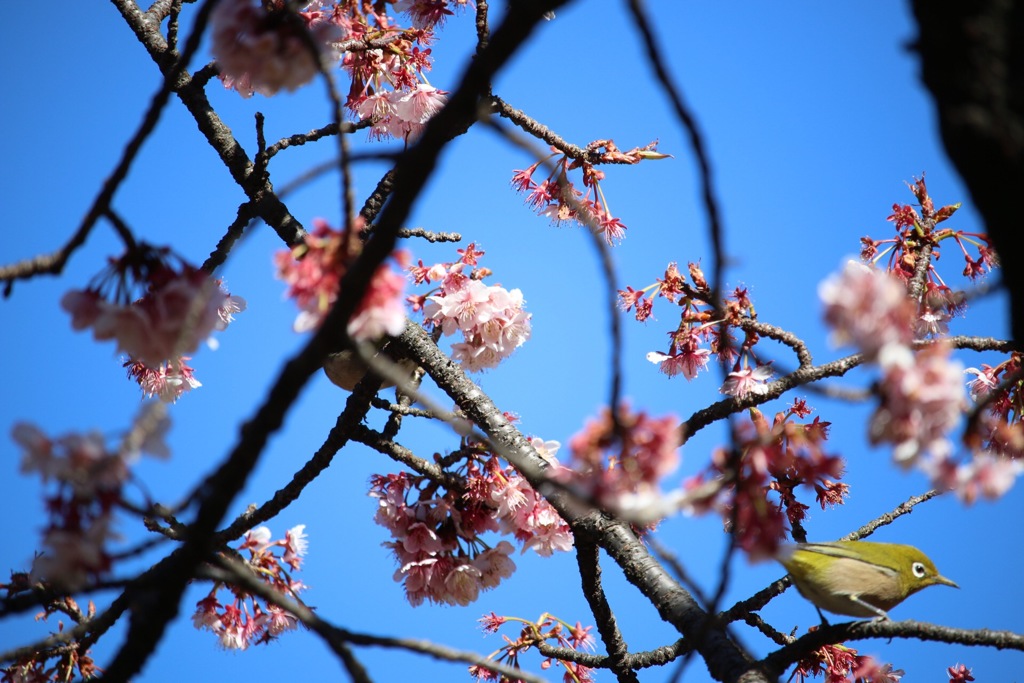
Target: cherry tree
x=410, y=323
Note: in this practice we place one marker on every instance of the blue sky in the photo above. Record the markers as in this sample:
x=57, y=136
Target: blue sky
x=814, y=119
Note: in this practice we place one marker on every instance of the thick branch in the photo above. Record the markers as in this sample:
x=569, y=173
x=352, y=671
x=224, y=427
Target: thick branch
x=675, y=605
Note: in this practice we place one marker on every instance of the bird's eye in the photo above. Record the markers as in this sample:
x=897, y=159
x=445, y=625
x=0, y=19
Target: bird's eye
x=919, y=570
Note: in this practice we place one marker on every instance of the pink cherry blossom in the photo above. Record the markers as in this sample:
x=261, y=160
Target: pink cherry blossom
x=984, y=381
x=416, y=107
x=245, y=620
x=745, y=381
x=167, y=382
x=922, y=400
x=259, y=46
x=462, y=585
x=494, y=564
x=71, y=556
x=620, y=464
x=313, y=273
x=689, y=362
x=490, y=318
x=867, y=308
x=179, y=310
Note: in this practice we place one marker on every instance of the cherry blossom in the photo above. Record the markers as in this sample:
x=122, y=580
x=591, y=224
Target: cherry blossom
x=490, y=318
x=922, y=400
x=984, y=381
x=867, y=308
x=245, y=620
x=842, y=663
x=546, y=628
x=180, y=307
x=260, y=46
x=754, y=487
x=959, y=673
x=743, y=381
x=619, y=463
x=428, y=13
x=87, y=479
x=167, y=382
x=313, y=273
x=437, y=534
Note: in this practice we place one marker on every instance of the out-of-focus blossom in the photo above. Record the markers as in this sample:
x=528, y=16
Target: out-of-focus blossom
x=867, y=308
x=922, y=400
x=180, y=309
x=313, y=273
x=260, y=45
x=619, y=463
x=87, y=478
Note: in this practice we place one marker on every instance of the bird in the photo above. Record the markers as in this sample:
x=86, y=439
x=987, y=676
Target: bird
x=859, y=578
x=345, y=368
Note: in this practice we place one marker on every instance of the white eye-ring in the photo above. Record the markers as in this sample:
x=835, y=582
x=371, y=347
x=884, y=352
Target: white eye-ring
x=919, y=570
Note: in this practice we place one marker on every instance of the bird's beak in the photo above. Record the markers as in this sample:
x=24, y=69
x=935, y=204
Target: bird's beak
x=945, y=582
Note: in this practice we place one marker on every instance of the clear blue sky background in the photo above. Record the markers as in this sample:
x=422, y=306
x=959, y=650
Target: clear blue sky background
x=814, y=118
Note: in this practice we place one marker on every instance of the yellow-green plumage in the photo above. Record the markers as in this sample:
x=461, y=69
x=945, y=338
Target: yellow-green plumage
x=859, y=578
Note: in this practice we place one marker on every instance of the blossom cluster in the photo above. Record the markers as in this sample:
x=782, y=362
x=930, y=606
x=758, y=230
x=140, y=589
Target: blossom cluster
x=617, y=462
x=180, y=307
x=922, y=394
x=88, y=477
x=919, y=227
x=700, y=334
x=754, y=487
x=546, y=628
x=389, y=86
x=313, y=273
x=997, y=436
x=557, y=198
x=490, y=318
x=437, y=530
x=841, y=664
x=264, y=46
x=244, y=620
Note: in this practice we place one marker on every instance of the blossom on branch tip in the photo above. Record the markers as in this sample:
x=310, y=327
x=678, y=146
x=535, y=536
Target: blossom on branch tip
x=922, y=400
x=959, y=673
x=263, y=46
x=557, y=198
x=180, y=308
x=491, y=319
